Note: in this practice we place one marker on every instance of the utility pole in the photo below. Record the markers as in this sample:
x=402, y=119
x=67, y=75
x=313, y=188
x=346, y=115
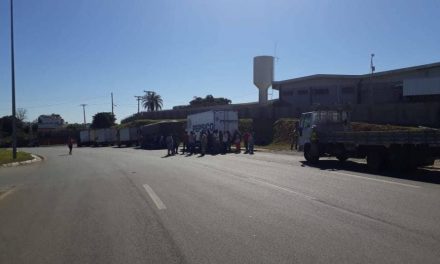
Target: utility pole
x=112, y=106
x=138, y=98
x=14, y=123
x=371, y=77
x=84, y=112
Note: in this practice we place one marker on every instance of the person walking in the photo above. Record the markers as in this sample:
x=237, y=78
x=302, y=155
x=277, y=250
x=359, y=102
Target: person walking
x=70, y=145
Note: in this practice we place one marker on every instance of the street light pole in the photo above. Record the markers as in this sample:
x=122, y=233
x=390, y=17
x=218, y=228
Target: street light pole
x=14, y=123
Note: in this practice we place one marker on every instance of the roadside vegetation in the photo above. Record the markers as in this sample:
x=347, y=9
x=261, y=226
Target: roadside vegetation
x=6, y=156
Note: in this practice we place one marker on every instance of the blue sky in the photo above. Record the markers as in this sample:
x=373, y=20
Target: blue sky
x=72, y=52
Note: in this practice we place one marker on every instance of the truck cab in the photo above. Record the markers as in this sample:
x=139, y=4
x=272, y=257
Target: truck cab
x=312, y=124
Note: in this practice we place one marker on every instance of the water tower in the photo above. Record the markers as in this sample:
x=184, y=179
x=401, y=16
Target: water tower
x=263, y=76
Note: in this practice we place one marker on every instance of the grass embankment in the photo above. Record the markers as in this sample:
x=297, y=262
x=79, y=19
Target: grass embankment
x=282, y=134
x=6, y=156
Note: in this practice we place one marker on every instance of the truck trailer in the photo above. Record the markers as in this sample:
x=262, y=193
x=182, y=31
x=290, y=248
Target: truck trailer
x=128, y=136
x=329, y=133
x=220, y=120
x=105, y=136
x=153, y=136
x=84, y=138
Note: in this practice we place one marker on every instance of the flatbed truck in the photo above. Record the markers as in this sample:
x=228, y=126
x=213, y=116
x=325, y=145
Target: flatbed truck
x=329, y=133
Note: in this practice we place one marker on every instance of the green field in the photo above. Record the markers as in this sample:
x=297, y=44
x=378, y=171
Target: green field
x=6, y=156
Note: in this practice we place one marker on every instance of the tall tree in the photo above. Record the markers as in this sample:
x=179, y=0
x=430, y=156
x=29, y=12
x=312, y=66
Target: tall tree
x=103, y=120
x=152, y=101
x=209, y=100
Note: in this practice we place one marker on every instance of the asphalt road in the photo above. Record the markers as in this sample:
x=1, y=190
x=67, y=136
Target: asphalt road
x=110, y=205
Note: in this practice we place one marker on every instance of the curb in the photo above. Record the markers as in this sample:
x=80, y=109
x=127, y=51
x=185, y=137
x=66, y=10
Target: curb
x=36, y=158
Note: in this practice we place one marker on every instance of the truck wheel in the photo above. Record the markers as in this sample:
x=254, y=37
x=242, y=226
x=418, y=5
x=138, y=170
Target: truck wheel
x=398, y=160
x=375, y=161
x=309, y=156
x=342, y=158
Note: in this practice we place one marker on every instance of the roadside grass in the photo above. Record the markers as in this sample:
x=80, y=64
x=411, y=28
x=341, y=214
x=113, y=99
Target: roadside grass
x=276, y=146
x=6, y=156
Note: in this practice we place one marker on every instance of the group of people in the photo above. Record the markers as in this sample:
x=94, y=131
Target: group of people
x=210, y=142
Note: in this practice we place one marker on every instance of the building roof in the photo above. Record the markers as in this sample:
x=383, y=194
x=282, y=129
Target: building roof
x=345, y=76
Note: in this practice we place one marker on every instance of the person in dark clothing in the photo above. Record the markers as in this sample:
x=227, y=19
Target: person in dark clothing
x=185, y=142
x=176, y=142
x=295, y=134
x=228, y=141
x=220, y=142
x=245, y=142
x=191, y=142
x=70, y=145
x=170, y=145
x=210, y=142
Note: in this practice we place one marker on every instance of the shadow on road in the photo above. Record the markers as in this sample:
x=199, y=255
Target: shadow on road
x=63, y=155
x=431, y=175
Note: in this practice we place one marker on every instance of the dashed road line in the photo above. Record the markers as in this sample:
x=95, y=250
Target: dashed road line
x=160, y=205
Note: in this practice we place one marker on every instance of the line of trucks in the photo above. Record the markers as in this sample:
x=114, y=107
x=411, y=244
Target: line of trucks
x=319, y=134
x=152, y=136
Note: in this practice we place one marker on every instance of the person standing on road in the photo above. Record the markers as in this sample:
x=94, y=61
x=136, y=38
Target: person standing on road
x=176, y=141
x=70, y=145
x=251, y=141
x=228, y=141
x=203, y=143
x=185, y=142
x=245, y=142
x=191, y=142
x=170, y=145
x=237, y=141
x=295, y=134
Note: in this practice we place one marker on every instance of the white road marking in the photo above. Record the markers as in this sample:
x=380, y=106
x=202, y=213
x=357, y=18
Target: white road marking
x=160, y=205
x=372, y=179
x=281, y=188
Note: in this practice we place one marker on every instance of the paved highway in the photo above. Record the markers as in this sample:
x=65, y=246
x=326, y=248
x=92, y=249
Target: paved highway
x=110, y=205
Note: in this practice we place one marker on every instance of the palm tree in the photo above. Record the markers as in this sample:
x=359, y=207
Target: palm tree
x=152, y=101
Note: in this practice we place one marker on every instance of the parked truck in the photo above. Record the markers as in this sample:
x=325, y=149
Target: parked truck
x=128, y=136
x=85, y=138
x=221, y=120
x=329, y=133
x=153, y=136
x=105, y=136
